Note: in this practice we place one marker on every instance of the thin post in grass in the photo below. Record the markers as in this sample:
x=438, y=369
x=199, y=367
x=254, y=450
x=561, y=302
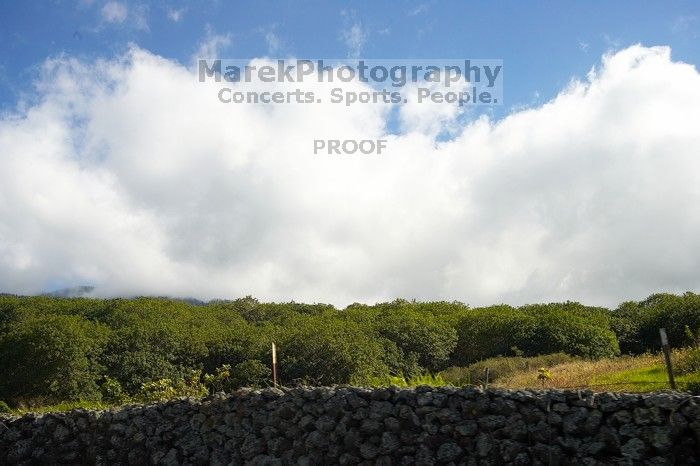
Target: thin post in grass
x=667, y=356
x=486, y=378
x=274, y=365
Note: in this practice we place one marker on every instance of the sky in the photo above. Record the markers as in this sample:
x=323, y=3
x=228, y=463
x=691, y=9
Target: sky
x=120, y=171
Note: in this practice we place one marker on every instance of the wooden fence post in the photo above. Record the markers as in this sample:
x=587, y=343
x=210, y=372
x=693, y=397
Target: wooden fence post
x=274, y=365
x=667, y=356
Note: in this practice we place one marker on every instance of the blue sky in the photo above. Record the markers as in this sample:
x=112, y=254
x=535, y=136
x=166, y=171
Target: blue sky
x=543, y=44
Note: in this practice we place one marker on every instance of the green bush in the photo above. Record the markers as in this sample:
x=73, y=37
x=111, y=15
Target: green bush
x=251, y=373
x=54, y=357
x=4, y=408
x=166, y=389
x=112, y=391
x=329, y=351
x=220, y=380
x=637, y=324
x=688, y=362
x=539, y=329
x=693, y=387
x=156, y=338
x=419, y=336
x=234, y=342
x=488, y=332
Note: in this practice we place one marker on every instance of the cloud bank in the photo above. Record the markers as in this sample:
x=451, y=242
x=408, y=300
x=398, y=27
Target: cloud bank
x=130, y=176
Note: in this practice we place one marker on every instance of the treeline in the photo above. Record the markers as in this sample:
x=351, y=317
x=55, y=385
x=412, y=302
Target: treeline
x=60, y=349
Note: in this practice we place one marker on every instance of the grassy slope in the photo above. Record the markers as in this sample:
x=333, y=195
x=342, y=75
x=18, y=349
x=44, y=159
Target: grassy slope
x=636, y=374
x=649, y=379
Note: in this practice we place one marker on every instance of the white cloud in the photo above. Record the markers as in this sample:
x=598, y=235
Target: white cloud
x=612, y=43
x=419, y=9
x=682, y=23
x=212, y=44
x=354, y=35
x=119, y=13
x=273, y=42
x=175, y=14
x=115, y=12
x=139, y=17
x=355, y=38
x=130, y=176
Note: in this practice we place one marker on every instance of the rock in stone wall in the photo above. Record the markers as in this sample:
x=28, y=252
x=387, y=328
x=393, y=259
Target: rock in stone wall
x=346, y=425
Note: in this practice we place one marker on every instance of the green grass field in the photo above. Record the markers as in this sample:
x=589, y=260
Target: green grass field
x=645, y=379
x=61, y=407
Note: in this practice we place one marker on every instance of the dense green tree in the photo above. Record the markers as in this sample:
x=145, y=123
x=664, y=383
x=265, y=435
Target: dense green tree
x=492, y=331
x=61, y=349
x=637, y=324
x=330, y=351
x=420, y=336
x=54, y=357
x=234, y=344
x=533, y=330
x=137, y=355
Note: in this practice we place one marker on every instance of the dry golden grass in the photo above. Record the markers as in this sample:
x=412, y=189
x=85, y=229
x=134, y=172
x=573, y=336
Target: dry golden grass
x=588, y=374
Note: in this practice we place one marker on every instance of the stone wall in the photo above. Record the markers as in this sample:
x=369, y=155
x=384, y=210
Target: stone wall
x=343, y=425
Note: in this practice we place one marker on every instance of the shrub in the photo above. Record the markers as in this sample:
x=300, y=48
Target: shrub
x=693, y=386
x=4, y=408
x=112, y=391
x=691, y=383
x=141, y=353
x=236, y=342
x=53, y=357
x=419, y=335
x=220, y=380
x=538, y=329
x=330, y=351
x=166, y=389
x=251, y=373
x=688, y=361
x=637, y=324
x=543, y=375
